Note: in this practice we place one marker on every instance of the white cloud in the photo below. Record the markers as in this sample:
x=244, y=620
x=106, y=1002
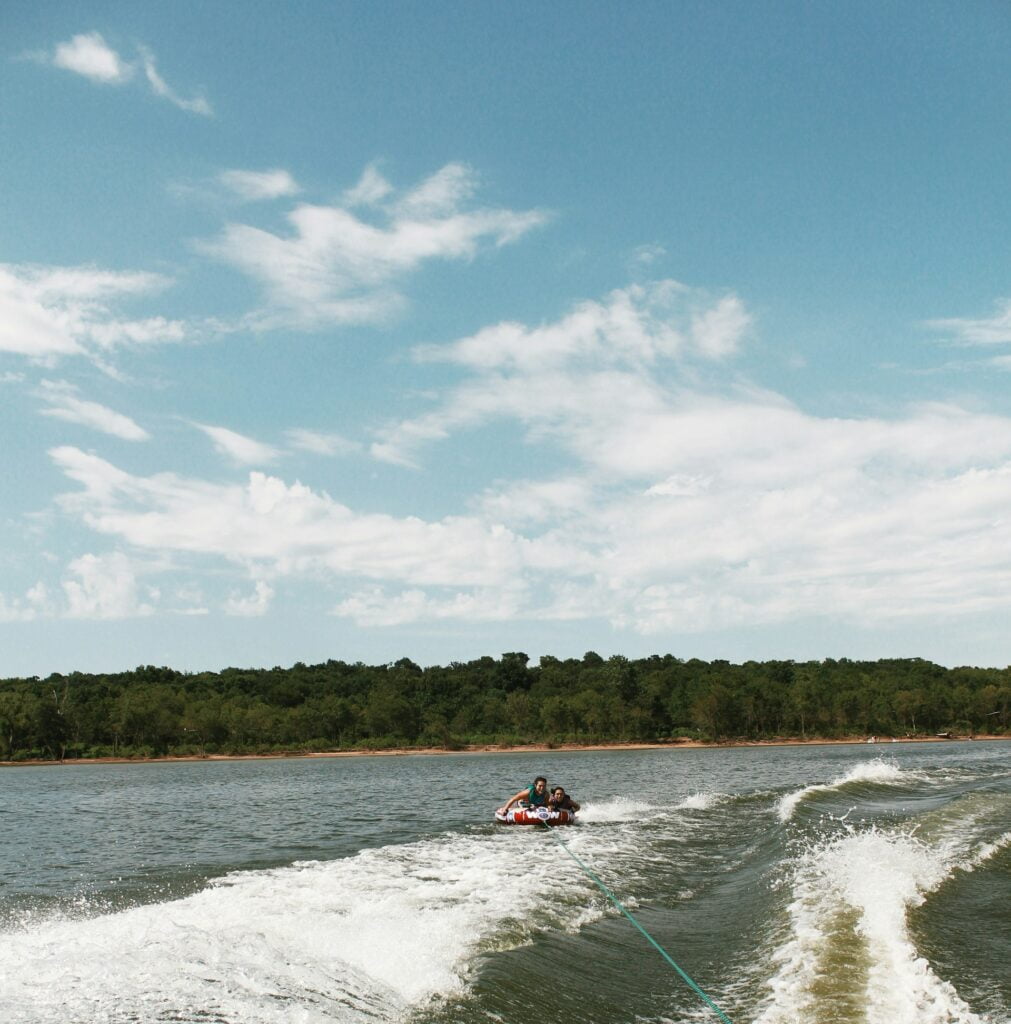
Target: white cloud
x=371, y=189
x=104, y=587
x=48, y=312
x=88, y=54
x=717, y=332
x=35, y=604
x=725, y=513
x=644, y=255
x=993, y=330
x=252, y=605
x=253, y=185
x=374, y=606
x=289, y=528
x=64, y=404
x=196, y=105
x=440, y=195
x=320, y=444
x=587, y=379
x=527, y=502
x=337, y=268
x=237, y=447
x=686, y=500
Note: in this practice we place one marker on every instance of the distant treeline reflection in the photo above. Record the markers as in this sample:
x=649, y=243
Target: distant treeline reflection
x=155, y=711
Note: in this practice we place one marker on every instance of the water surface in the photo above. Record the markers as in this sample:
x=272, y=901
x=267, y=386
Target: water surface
x=817, y=884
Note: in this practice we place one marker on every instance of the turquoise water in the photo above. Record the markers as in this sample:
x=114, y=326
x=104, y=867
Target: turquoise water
x=822, y=884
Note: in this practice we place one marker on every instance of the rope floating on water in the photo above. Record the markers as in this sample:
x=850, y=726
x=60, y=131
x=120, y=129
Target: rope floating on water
x=656, y=945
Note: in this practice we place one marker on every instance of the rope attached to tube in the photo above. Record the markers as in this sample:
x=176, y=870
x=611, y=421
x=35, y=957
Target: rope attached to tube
x=656, y=945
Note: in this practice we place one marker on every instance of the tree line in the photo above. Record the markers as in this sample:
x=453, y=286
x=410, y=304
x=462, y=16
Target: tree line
x=153, y=711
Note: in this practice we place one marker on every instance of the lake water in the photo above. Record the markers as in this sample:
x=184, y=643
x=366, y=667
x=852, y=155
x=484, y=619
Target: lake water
x=794, y=884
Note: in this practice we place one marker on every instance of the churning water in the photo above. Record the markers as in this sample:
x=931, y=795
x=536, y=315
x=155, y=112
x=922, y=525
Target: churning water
x=800, y=884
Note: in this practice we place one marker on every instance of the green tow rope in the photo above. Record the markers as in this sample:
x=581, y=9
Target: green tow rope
x=663, y=952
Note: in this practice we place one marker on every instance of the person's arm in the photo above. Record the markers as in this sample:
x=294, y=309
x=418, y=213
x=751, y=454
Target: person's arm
x=519, y=796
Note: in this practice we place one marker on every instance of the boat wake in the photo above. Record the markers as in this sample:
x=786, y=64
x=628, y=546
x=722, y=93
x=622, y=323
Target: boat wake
x=847, y=952
x=878, y=771
x=365, y=938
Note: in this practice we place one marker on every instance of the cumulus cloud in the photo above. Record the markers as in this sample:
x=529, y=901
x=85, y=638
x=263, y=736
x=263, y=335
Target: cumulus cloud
x=251, y=605
x=34, y=604
x=63, y=403
x=105, y=587
x=335, y=267
x=88, y=54
x=237, y=447
x=48, y=312
x=708, y=513
x=253, y=185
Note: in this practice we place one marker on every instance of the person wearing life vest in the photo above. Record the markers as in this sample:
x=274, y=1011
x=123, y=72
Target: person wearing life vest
x=561, y=801
x=533, y=796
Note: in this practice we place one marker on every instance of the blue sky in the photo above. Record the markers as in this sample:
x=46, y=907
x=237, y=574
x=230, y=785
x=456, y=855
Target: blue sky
x=379, y=330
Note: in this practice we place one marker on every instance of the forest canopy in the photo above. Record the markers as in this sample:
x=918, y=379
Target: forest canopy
x=154, y=711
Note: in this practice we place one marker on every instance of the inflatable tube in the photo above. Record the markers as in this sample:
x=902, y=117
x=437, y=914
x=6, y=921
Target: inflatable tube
x=535, y=816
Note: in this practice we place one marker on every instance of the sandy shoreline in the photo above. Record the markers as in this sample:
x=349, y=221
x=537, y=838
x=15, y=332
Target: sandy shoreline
x=491, y=748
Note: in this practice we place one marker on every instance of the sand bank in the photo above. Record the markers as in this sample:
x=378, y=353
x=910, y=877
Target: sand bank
x=491, y=748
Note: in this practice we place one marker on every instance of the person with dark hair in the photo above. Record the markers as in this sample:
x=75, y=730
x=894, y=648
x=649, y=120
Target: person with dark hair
x=561, y=801
x=533, y=796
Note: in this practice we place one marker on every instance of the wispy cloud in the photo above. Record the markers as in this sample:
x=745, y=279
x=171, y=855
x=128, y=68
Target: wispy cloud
x=320, y=444
x=585, y=378
x=370, y=189
x=48, y=312
x=196, y=105
x=239, y=448
x=336, y=268
x=254, y=185
x=288, y=528
x=62, y=402
x=89, y=55
x=992, y=330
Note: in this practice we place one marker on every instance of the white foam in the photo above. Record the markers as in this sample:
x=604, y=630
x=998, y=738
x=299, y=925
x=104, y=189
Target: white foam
x=365, y=938
x=699, y=802
x=619, y=809
x=851, y=900
x=878, y=771
x=978, y=857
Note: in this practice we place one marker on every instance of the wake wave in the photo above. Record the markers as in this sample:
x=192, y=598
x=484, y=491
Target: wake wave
x=848, y=943
x=878, y=771
x=365, y=938
x=977, y=858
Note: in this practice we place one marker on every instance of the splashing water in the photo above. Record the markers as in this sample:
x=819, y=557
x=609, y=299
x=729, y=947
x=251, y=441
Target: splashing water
x=848, y=944
x=370, y=936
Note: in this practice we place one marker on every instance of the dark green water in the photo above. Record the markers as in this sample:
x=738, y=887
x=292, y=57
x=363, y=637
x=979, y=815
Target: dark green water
x=821, y=884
